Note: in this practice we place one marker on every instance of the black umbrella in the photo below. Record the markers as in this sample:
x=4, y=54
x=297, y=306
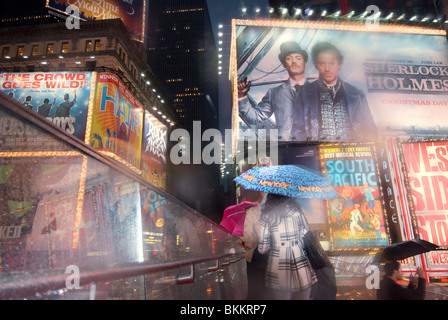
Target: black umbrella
x=405, y=249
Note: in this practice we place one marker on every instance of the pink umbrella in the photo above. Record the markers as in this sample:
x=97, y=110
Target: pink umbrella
x=234, y=216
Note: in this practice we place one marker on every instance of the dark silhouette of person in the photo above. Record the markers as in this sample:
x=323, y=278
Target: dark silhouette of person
x=27, y=102
x=44, y=109
x=63, y=110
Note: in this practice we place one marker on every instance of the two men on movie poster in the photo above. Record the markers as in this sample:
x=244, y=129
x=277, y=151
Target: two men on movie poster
x=322, y=85
x=328, y=109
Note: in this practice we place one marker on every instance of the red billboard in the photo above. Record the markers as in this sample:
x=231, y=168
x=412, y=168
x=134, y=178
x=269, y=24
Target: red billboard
x=426, y=165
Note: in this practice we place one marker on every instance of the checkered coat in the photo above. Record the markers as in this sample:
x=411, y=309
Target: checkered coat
x=288, y=266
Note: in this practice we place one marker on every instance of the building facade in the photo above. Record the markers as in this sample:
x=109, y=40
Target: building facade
x=97, y=46
x=182, y=53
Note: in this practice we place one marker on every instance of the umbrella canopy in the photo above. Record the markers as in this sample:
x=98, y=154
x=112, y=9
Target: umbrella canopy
x=288, y=180
x=405, y=249
x=234, y=216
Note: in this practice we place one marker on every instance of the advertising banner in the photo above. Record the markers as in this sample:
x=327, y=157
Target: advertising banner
x=156, y=221
x=426, y=167
x=356, y=217
x=126, y=219
x=117, y=120
x=131, y=12
x=38, y=206
x=61, y=97
x=154, y=152
x=332, y=82
x=17, y=136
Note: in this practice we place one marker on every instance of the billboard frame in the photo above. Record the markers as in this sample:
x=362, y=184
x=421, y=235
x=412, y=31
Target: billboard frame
x=435, y=274
x=143, y=24
x=296, y=24
x=322, y=163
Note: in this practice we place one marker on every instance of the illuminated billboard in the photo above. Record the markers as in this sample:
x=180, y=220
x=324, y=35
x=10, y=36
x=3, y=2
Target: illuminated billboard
x=154, y=152
x=61, y=97
x=426, y=167
x=117, y=121
x=131, y=12
x=339, y=82
x=356, y=217
x=41, y=208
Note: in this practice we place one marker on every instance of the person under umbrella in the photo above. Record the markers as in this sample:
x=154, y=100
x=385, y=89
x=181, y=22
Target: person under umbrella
x=391, y=290
x=283, y=219
x=283, y=226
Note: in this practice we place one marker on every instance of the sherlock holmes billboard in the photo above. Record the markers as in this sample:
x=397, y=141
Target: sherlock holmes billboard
x=330, y=82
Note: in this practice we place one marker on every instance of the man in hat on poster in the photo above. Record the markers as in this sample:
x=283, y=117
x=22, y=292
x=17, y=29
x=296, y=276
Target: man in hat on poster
x=280, y=100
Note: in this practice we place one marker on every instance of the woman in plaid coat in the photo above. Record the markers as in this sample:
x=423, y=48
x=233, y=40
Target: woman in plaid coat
x=283, y=225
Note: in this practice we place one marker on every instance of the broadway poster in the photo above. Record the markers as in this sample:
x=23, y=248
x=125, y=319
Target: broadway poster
x=131, y=12
x=39, y=207
x=426, y=167
x=154, y=151
x=61, y=97
x=356, y=216
x=117, y=121
x=339, y=82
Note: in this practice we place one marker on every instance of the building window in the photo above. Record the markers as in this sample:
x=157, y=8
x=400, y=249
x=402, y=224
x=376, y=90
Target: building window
x=64, y=48
x=5, y=52
x=35, y=50
x=88, y=45
x=50, y=48
x=20, y=50
x=97, y=45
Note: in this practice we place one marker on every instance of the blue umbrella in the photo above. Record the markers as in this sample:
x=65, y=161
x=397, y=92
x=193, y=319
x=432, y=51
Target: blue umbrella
x=288, y=180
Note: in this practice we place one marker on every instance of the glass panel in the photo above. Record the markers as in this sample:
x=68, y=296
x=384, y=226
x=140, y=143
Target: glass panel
x=63, y=210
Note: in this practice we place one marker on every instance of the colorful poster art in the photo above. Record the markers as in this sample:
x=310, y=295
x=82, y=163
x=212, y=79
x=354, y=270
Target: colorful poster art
x=117, y=121
x=17, y=135
x=39, y=207
x=126, y=219
x=426, y=167
x=61, y=97
x=356, y=217
x=131, y=12
x=157, y=219
x=339, y=82
x=154, y=151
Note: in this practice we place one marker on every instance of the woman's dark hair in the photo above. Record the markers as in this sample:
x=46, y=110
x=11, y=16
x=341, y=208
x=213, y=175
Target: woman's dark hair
x=275, y=207
x=325, y=46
